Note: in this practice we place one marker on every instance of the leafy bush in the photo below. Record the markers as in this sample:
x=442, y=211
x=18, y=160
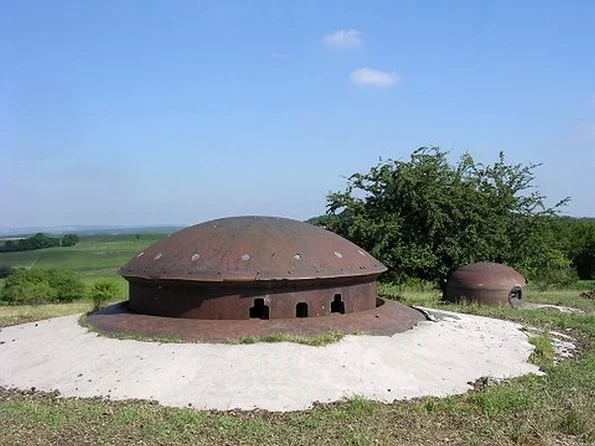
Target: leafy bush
x=103, y=291
x=5, y=271
x=546, y=264
x=38, y=285
x=27, y=293
x=554, y=273
x=67, y=284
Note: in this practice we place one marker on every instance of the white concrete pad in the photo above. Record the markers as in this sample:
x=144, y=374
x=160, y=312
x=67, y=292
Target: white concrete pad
x=435, y=358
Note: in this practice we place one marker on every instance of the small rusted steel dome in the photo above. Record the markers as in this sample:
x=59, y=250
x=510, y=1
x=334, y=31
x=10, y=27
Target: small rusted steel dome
x=485, y=283
x=252, y=267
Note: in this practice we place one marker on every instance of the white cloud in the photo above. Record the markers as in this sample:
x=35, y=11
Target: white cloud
x=344, y=39
x=375, y=78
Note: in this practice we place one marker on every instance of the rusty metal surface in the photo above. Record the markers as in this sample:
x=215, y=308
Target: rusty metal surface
x=386, y=319
x=251, y=249
x=236, y=301
x=486, y=283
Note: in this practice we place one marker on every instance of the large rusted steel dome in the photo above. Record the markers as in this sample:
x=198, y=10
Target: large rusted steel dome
x=252, y=267
x=485, y=283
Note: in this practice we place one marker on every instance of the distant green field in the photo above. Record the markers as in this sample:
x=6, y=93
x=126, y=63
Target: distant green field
x=94, y=257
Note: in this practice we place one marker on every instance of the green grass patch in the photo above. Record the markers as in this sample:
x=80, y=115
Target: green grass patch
x=314, y=340
x=544, y=354
x=503, y=398
x=242, y=427
x=94, y=257
x=20, y=314
x=32, y=413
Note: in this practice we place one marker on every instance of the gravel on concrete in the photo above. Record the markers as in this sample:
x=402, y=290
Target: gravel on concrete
x=435, y=358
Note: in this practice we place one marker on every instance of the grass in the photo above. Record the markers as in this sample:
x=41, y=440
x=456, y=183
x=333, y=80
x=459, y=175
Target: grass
x=20, y=314
x=555, y=409
x=544, y=354
x=314, y=341
x=94, y=257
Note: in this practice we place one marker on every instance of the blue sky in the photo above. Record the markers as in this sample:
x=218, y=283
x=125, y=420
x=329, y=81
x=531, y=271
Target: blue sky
x=153, y=112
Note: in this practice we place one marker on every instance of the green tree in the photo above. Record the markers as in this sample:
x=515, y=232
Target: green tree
x=69, y=240
x=579, y=236
x=37, y=241
x=425, y=217
x=103, y=291
x=9, y=245
x=41, y=241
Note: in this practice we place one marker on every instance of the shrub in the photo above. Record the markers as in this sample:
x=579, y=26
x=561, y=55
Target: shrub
x=39, y=285
x=5, y=271
x=27, y=293
x=551, y=270
x=103, y=291
x=66, y=283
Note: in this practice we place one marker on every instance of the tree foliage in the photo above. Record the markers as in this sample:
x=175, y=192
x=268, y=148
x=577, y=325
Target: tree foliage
x=579, y=236
x=69, y=240
x=39, y=241
x=35, y=286
x=103, y=291
x=425, y=217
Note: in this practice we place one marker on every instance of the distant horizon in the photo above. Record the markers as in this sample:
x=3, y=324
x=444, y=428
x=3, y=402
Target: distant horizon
x=88, y=227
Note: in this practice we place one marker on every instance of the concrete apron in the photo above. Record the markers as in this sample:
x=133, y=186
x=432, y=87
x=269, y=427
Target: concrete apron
x=435, y=358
